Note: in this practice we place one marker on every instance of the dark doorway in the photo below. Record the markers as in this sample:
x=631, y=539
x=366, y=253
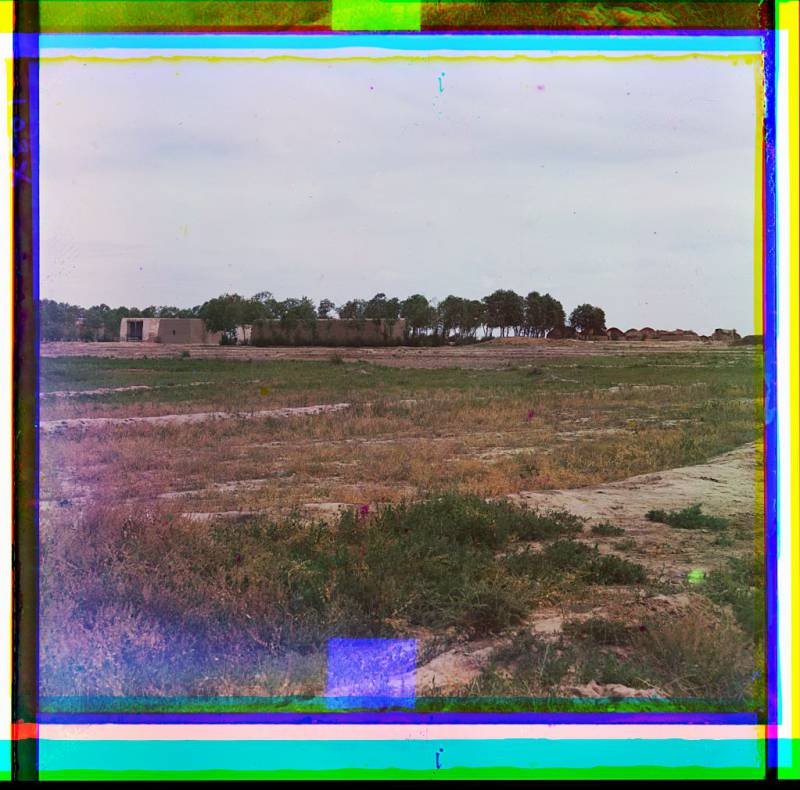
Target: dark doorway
x=135, y=330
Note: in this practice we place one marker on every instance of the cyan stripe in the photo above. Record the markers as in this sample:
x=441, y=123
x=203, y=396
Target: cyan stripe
x=612, y=42
x=55, y=755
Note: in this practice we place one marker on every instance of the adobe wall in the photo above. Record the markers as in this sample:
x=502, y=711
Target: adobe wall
x=329, y=332
x=185, y=330
x=171, y=330
x=149, y=329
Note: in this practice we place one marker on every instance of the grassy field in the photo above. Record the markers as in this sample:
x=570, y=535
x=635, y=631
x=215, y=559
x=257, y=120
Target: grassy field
x=218, y=556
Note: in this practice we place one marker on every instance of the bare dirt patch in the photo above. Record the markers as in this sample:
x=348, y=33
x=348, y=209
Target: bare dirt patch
x=725, y=486
x=49, y=426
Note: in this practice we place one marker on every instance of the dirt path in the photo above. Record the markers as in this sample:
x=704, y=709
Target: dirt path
x=135, y=388
x=51, y=426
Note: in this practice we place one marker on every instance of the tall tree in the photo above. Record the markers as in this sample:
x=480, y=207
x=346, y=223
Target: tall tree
x=267, y=305
x=381, y=307
x=353, y=309
x=505, y=310
x=554, y=315
x=534, y=314
x=293, y=311
x=225, y=314
x=588, y=319
x=473, y=316
x=326, y=307
x=451, y=315
x=418, y=314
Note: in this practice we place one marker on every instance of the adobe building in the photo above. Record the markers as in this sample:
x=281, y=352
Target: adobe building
x=329, y=332
x=167, y=330
x=562, y=333
x=678, y=334
x=728, y=335
x=615, y=334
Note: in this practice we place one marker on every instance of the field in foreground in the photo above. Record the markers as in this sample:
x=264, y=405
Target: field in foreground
x=205, y=532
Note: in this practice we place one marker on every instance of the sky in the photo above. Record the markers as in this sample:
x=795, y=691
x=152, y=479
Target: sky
x=625, y=184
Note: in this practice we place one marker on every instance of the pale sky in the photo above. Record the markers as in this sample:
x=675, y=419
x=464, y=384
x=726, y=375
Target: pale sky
x=625, y=184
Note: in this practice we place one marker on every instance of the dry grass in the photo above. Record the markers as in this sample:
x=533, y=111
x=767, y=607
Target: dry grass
x=469, y=439
x=129, y=589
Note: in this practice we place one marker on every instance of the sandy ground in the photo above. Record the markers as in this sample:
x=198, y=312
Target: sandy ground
x=481, y=355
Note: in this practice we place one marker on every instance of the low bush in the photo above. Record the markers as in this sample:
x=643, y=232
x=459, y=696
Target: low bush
x=610, y=569
x=607, y=530
x=737, y=586
x=690, y=517
x=587, y=564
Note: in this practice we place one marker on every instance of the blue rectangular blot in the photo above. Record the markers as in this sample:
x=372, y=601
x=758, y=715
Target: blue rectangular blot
x=371, y=673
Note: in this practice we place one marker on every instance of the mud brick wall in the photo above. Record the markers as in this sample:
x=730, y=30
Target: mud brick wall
x=329, y=332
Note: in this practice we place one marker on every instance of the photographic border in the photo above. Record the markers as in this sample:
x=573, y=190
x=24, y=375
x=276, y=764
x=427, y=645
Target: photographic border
x=32, y=725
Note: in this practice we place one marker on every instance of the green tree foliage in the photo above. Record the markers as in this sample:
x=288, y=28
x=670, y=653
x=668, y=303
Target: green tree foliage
x=543, y=313
x=228, y=312
x=294, y=311
x=297, y=309
x=505, y=310
x=326, y=307
x=381, y=307
x=462, y=316
x=588, y=319
x=355, y=308
x=451, y=313
x=554, y=313
x=175, y=312
x=418, y=314
x=265, y=305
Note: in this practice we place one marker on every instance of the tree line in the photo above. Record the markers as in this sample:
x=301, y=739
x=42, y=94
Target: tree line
x=503, y=311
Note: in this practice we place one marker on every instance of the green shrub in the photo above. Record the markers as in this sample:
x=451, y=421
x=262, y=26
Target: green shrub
x=607, y=530
x=610, y=569
x=690, y=517
x=737, y=586
x=564, y=556
x=545, y=526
